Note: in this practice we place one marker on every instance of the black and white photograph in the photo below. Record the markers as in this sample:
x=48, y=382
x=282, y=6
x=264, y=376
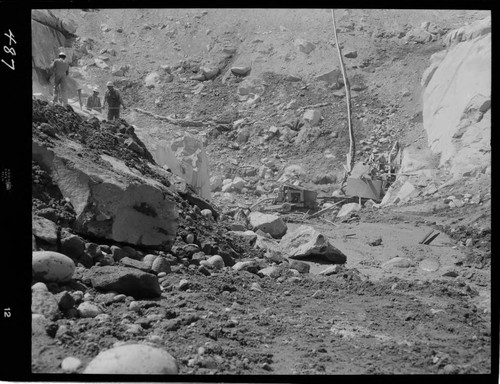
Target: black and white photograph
x=258, y=192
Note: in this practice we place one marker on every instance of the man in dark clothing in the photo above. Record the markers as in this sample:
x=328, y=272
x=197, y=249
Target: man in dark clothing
x=60, y=69
x=113, y=98
x=94, y=102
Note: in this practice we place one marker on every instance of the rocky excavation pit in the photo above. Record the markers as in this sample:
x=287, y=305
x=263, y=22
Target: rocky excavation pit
x=254, y=312
x=134, y=272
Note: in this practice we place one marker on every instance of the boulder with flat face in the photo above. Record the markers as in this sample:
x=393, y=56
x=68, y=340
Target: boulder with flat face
x=128, y=281
x=111, y=200
x=306, y=242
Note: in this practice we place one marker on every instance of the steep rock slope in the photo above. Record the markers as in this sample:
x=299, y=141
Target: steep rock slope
x=457, y=100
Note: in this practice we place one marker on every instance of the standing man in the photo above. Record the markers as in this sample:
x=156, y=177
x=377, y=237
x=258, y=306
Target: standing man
x=113, y=98
x=60, y=69
x=94, y=102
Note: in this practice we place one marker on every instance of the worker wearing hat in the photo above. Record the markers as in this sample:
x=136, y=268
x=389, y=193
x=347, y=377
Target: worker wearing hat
x=113, y=99
x=94, y=102
x=60, y=69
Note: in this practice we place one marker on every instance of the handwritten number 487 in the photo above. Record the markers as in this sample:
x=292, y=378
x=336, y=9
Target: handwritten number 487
x=10, y=50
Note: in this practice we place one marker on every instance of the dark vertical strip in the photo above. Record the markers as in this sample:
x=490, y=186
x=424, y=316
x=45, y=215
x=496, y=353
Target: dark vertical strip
x=15, y=161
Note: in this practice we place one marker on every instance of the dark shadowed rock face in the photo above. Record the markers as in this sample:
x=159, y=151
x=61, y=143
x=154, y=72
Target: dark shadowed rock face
x=128, y=281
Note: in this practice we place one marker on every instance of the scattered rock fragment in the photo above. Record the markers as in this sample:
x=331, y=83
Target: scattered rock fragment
x=304, y=46
x=183, y=285
x=101, y=63
x=161, y=264
x=207, y=213
x=450, y=273
x=128, y=262
x=268, y=223
x=43, y=302
x=44, y=229
x=241, y=70
x=348, y=209
x=71, y=364
x=216, y=262
x=429, y=265
x=249, y=265
x=256, y=287
x=331, y=270
x=87, y=309
x=397, y=262
x=271, y=271
x=64, y=300
x=300, y=266
x=375, y=241
x=312, y=116
x=72, y=246
x=351, y=54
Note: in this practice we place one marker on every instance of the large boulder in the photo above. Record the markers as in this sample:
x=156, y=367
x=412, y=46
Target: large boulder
x=306, y=242
x=133, y=359
x=111, y=202
x=128, y=281
x=268, y=223
x=52, y=267
x=457, y=100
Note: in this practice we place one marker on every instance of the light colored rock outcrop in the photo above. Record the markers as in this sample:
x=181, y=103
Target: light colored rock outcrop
x=348, y=208
x=457, y=106
x=48, y=35
x=186, y=157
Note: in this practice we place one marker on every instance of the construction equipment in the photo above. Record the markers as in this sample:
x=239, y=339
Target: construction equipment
x=288, y=198
x=296, y=197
